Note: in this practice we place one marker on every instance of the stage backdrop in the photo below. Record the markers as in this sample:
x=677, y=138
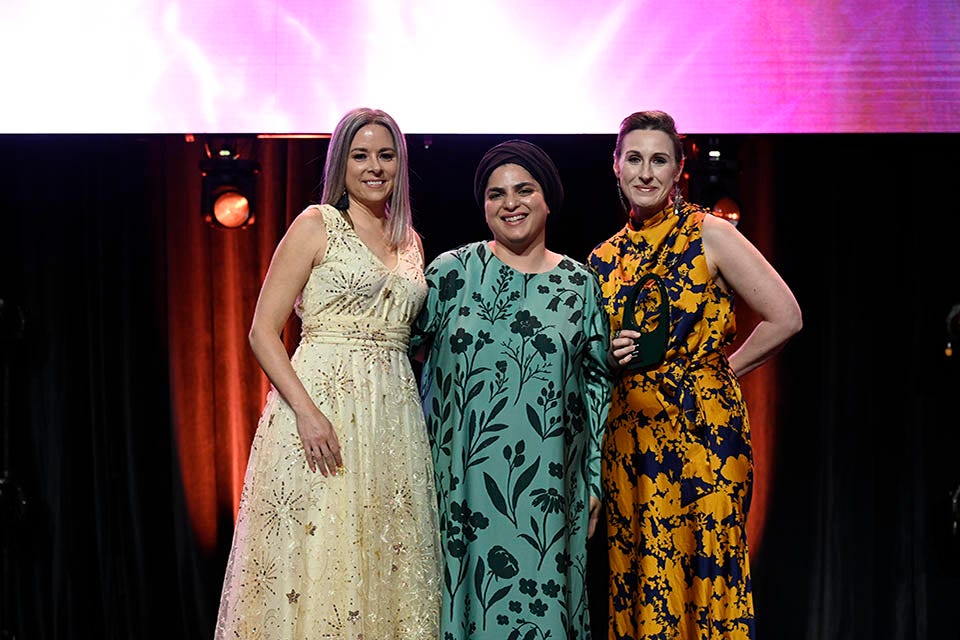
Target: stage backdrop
x=497, y=66
x=133, y=395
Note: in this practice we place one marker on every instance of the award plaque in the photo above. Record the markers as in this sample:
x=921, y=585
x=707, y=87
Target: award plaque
x=647, y=311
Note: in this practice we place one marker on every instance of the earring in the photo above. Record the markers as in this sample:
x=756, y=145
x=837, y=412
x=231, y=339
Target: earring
x=623, y=200
x=344, y=202
x=676, y=198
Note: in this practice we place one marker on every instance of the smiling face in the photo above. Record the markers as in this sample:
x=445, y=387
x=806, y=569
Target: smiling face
x=515, y=208
x=371, y=166
x=648, y=170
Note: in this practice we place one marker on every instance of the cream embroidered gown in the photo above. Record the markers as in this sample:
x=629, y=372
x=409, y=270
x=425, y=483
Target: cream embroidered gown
x=357, y=555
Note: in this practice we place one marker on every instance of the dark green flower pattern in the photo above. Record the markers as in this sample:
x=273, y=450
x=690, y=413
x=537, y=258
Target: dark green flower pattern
x=515, y=394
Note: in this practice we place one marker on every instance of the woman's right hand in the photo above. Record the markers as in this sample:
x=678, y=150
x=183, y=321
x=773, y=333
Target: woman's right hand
x=320, y=442
x=622, y=348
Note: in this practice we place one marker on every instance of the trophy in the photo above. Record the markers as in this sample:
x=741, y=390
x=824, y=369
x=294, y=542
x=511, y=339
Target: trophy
x=647, y=311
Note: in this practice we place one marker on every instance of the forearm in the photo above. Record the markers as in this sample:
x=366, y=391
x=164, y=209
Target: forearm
x=270, y=352
x=597, y=399
x=764, y=342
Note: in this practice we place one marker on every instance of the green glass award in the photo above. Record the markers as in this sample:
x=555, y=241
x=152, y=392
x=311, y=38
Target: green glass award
x=647, y=311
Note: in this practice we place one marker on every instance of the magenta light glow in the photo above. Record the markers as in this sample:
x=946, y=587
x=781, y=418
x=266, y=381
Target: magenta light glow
x=486, y=66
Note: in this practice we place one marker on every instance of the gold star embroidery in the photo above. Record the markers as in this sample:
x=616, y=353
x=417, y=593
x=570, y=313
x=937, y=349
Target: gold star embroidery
x=311, y=528
x=293, y=596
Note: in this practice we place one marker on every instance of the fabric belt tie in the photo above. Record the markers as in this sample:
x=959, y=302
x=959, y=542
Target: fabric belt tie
x=699, y=475
x=677, y=384
x=357, y=330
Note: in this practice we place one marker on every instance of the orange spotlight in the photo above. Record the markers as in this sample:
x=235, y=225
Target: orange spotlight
x=232, y=209
x=228, y=190
x=728, y=209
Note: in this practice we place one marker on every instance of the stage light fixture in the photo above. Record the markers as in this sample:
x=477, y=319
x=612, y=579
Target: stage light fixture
x=229, y=183
x=713, y=175
x=953, y=332
x=728, y=209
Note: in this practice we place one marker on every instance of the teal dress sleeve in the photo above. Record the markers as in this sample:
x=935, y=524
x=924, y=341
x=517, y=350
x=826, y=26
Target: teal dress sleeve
x=425, y=326
x=597, y=380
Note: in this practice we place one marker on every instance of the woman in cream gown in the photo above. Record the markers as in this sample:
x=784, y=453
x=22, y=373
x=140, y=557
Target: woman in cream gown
x=337, y=532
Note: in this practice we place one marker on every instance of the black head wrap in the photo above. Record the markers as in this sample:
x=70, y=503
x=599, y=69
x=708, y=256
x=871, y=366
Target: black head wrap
x=530, y=157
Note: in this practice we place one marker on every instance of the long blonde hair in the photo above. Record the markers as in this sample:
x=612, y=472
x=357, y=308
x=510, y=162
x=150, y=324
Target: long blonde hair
x=399, y=215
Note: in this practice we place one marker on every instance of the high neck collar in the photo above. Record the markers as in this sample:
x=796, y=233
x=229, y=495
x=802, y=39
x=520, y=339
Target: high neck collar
x=651, y=221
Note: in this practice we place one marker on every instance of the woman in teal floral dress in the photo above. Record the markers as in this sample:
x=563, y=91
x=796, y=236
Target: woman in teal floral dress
x=515, y=390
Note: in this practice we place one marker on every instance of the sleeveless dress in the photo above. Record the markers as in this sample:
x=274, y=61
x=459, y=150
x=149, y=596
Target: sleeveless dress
x=516, y=389
x=677, y=466
x=354, y=555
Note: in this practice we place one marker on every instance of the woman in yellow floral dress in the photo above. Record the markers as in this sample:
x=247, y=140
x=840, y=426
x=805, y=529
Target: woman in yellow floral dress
x=677, y=463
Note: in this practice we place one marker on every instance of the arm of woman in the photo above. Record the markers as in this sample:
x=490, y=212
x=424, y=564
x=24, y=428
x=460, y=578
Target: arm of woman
x=596, y=390
x=302, y=247
x=738, y=265
x=426, y=323
x=418, y=352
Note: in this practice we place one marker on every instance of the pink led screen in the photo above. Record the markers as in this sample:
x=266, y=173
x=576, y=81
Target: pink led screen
x=483, y=66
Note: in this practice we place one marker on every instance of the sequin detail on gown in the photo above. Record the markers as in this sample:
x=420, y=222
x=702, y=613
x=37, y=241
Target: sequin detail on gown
x=356, y=555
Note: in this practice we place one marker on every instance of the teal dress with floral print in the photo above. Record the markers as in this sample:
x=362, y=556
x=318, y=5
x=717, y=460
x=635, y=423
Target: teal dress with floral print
x=515, y=390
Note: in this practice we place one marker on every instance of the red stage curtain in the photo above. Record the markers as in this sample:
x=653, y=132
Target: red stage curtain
x=218, y=389
x=758, y=223
x=214, y=276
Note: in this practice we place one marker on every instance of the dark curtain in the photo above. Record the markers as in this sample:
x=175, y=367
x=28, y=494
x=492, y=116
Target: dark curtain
x=132, y=396
x=859, y=545
x=91, y=552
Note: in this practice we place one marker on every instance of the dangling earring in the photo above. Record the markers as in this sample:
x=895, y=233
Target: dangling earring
x=623, y=200
x=344, y=202
x=676, y=197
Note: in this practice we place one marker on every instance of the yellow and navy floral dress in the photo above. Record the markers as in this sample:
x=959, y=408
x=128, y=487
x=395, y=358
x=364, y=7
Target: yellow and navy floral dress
x=677, y=466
